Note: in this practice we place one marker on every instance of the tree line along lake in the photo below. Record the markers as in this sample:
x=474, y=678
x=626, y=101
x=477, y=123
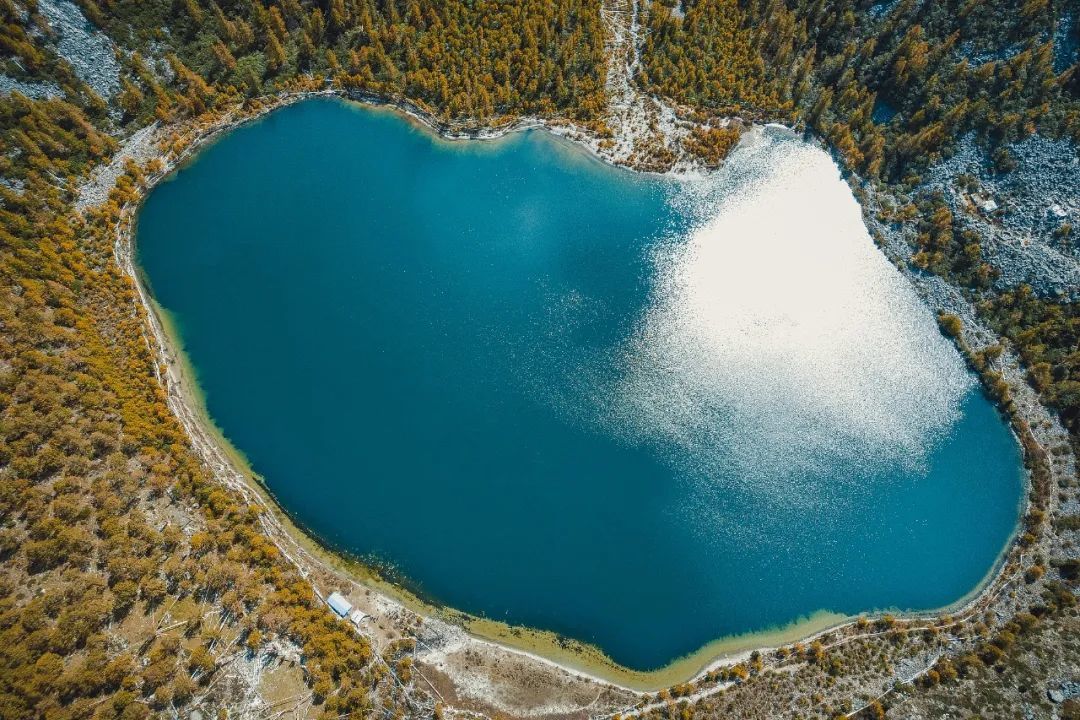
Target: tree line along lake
x=642, y=412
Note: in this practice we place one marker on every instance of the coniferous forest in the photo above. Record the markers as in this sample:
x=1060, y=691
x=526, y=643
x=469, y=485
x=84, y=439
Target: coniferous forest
x=108, y=519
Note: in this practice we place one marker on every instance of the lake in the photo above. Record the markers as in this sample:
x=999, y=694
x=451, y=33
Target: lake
x=643, y=412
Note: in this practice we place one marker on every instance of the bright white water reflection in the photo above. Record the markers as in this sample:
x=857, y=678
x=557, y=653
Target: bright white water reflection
x=780, y=340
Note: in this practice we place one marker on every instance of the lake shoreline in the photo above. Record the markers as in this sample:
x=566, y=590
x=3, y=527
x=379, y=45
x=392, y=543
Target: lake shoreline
x=230, y=466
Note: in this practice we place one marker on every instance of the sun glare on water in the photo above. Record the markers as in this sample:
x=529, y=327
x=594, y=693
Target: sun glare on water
x=779, y=339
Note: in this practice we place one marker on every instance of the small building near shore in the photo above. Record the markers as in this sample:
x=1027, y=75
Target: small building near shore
x=339, y=604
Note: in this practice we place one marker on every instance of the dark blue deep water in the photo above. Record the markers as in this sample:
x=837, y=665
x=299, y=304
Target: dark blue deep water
x=400, y=334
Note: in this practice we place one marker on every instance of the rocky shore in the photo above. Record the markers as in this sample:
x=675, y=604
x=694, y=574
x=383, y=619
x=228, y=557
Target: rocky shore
x=481, y=675
x=90, y=52
x=473, y=675
x=1024, y=214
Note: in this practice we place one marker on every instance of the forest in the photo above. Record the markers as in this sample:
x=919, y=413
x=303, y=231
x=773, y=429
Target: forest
x=474, y=60
x=892, y=87
x=91, y=458
x=107, y=518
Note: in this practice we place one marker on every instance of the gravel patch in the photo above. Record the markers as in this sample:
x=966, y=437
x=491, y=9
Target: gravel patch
x=140, y=147
x=1020, y=215
x=32, y=90
x=89, y=51
x=1065, y=690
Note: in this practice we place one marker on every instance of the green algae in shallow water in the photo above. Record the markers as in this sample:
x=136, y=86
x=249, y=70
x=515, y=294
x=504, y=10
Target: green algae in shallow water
x=642, y=413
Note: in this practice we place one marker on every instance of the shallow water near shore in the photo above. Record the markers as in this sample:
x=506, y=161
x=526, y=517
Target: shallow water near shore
x=641, y=412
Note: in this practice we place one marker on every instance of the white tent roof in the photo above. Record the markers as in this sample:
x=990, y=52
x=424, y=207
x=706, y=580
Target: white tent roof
x=339, y=604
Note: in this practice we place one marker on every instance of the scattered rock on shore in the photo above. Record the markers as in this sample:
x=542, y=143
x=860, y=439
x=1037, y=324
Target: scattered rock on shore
x=90, y=52
x=1022, y=226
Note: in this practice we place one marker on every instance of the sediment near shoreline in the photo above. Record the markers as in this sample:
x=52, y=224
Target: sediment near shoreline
x=510, y=658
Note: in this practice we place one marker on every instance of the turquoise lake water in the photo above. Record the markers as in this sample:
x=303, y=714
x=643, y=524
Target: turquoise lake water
x=567, y=396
